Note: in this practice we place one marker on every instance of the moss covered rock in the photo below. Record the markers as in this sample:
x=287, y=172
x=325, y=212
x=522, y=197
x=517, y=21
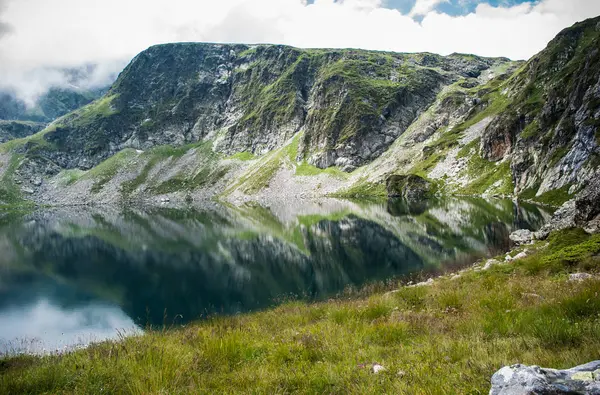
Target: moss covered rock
x=410, y=187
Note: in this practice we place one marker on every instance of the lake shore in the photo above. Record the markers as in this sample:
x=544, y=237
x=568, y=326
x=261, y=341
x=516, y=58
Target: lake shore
x=450, y=335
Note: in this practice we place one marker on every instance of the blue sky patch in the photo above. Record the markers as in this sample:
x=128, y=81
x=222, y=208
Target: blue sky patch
x=453, y=7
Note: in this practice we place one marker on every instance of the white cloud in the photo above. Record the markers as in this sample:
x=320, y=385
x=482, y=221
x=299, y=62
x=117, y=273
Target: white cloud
x=423, y=7
x=72, y=32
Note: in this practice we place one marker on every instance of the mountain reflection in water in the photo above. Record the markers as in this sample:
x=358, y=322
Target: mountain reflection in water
x=69, y=276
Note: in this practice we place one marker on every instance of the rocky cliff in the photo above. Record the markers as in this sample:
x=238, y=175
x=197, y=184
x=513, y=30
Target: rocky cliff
x=193, y=120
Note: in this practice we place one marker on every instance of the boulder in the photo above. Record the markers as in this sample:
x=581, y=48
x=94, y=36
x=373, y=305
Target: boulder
x=520, y=255
x=521, y=236
x=410, y=187
x=522, y=380
x=587, y=204
x=583, y=211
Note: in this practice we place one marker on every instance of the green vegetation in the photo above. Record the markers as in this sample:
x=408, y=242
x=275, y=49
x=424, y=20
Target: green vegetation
x=243, y=156
x=531, y=130
x=98, y=109
x=362, y=189
x=106, y=170
x=69, y=177
x=34, y=142
x=423, y=167
x=495, y=102
x=452, y=335
x=556, y=197
x=206, y=173
x=270, y=105
x=259, y=176
x=469, y=149
x=488, y=177
x=306, y=169
x=558, y=154
x=10, y=193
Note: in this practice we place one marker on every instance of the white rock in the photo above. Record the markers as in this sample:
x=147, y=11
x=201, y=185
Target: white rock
x=508, y=258
x=490, y=263
x=423, y=284
x=520, y=255
x=521, y=236
x=521, y=379
x=378, y=368
x=580, y=276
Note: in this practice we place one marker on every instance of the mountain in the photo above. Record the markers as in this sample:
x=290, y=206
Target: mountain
x=194, y=120
x=51, y=105
x=64, y=90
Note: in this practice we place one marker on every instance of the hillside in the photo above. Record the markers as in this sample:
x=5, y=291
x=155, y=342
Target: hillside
x=190, y=121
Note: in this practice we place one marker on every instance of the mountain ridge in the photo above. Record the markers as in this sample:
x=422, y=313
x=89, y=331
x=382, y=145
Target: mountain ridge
x=239, y=116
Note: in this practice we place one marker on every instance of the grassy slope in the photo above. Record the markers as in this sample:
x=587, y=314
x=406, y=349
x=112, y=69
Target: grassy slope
x=446, y=338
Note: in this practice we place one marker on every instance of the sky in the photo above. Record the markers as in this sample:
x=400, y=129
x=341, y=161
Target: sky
x=37, y=34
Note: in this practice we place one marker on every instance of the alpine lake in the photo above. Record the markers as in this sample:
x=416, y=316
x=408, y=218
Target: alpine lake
x=70, y=276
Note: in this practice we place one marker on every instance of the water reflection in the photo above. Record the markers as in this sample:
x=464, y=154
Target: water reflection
x=67, y=275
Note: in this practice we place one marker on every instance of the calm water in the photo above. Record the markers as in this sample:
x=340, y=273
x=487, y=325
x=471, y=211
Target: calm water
x=71, y=276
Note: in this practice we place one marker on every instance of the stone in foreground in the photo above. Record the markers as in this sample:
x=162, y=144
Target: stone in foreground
x=522, y=236
x=525, y=380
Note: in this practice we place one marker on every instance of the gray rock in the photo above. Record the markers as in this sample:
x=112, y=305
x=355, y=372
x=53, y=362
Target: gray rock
x=525, y=380
x=522, y=236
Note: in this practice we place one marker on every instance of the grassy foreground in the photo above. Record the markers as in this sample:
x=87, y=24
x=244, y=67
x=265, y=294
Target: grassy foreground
x=449, y=337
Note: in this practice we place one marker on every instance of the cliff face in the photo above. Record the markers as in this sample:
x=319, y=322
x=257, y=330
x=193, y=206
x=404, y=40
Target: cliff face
x=350, y=104
x=551, y=128
x=195, y=119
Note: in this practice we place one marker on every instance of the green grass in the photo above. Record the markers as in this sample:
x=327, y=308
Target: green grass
x=106, y=170
x=10, y=193
x=205, y=173
x=243, y=156
x=362, y=189
x=452, y=335
x=556, y=197
x=259, y=175
x=424, y=167
x=35, y=141
x=97, y=109
x=485, y=174
x=306, y=169
x=531, y=130
x=69, y=177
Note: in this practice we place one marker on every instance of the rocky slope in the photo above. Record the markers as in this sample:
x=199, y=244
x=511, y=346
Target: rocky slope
x=186, y=121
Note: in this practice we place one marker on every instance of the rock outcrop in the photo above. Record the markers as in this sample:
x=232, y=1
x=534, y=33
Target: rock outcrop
x=582, y=211
x=351, y=104
x=409, y=187
x=10, y=130
x=521, y=380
